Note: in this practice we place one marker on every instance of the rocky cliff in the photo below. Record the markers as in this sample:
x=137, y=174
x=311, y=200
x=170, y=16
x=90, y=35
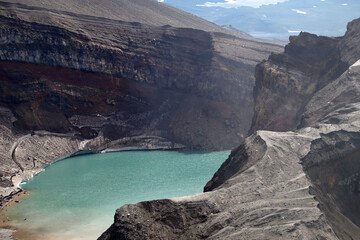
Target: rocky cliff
x=286, y=82
x=134, y=78
x=300, y=184
x=97, y=75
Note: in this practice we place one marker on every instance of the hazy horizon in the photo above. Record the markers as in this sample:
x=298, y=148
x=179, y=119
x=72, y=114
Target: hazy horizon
x=275, y=19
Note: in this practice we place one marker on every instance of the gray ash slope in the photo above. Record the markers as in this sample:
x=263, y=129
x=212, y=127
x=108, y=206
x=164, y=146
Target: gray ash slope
x=96, y=75
x=297, y=184
x=146, y=12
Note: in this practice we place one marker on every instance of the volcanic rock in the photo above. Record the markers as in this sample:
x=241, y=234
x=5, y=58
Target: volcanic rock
x=137, y=78
x=286, y=82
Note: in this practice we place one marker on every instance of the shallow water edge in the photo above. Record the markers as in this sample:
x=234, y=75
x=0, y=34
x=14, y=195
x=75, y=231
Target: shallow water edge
x=187, y=173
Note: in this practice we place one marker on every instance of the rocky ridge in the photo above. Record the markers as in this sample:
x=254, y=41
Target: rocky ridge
x=308, y=63
x=149, y=12
x=300, y=184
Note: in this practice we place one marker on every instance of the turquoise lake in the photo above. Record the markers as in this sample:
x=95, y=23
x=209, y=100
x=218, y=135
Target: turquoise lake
x=76, y=198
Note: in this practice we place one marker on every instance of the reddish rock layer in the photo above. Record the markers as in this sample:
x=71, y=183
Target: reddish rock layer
x=61, y=70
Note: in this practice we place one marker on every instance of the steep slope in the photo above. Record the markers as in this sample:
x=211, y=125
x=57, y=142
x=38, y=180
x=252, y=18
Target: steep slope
x=143, y=11
x=301, y=184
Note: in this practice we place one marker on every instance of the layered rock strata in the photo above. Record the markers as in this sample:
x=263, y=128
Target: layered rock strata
x=286, y=82
x=139, y=79
x=301, y=184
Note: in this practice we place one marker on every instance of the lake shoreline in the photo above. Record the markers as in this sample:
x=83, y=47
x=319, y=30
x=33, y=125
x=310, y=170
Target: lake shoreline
x=24, y=234
x=28, y=174
x=135, y=143
x=9, y=231
x=7, y=226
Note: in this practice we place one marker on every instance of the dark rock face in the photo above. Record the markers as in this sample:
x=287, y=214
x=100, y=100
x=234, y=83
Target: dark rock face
x=286, y=82
x=349, y=50
x=239, y=160
x=82, y=73
x=301, y=184
x=176, y=220
x=333, y=167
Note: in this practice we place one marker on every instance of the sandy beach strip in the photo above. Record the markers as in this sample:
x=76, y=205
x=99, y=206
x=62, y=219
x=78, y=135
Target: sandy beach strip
x=8, y=230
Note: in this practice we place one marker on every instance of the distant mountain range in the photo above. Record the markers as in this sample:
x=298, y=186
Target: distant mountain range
x=276, y=21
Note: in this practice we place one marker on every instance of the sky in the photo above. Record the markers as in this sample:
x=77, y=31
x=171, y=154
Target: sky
x=276, y=19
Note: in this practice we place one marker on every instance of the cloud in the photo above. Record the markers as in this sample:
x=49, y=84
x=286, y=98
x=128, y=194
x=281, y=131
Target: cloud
x=240, y=3
x=160, y=0
x=299, y=11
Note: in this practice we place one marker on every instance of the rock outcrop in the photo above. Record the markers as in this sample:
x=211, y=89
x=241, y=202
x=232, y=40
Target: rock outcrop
x=300, y=184
x=286, y=82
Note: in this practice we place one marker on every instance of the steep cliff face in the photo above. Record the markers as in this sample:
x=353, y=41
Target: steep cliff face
x=286, y=82
x=301, y=184
x=142, y=79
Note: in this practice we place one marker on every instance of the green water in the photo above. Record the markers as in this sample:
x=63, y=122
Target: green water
x=77, y=198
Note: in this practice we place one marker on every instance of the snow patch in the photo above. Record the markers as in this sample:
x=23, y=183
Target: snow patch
x=240, y=3
x=356, y=64
x=294, y=31
x=299, y=11
x=82, y=144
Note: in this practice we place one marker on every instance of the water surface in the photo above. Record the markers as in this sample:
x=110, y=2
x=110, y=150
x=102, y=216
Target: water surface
x=76, y=198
